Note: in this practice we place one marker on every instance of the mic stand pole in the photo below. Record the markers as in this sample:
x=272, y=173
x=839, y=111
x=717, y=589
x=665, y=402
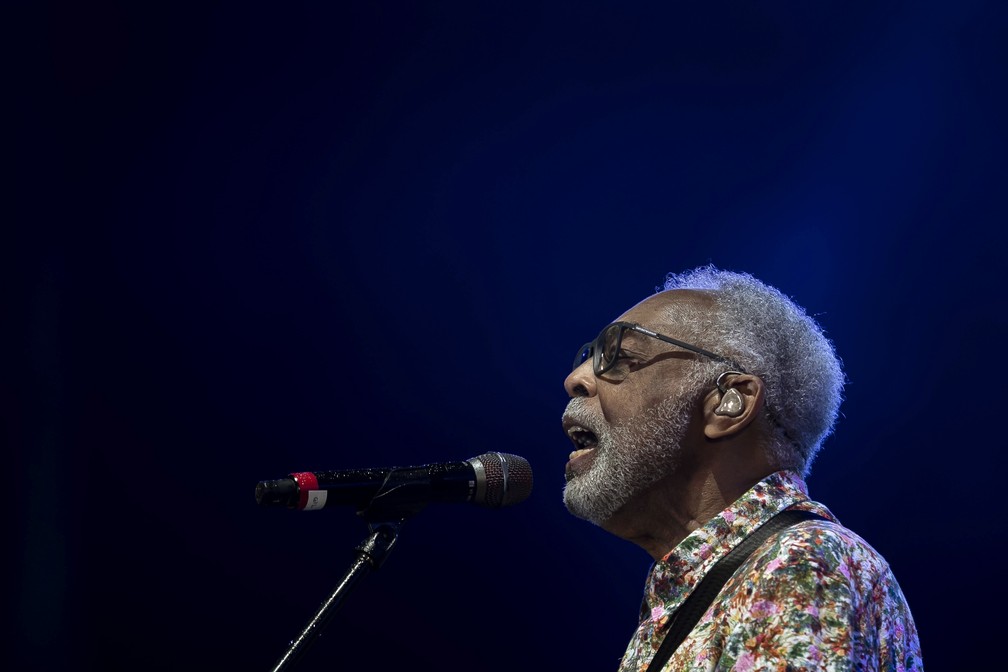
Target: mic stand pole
x=371, y=553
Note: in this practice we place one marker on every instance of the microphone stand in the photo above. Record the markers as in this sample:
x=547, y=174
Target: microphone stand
x=371, y=553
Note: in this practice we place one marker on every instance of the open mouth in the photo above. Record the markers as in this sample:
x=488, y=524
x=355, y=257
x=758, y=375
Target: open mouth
x=584, y=440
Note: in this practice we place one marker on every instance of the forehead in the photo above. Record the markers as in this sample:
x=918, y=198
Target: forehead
x=663, y=310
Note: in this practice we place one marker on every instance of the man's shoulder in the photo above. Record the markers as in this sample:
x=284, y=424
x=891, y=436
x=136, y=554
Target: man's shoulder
x=819, y=583
x=817, y=554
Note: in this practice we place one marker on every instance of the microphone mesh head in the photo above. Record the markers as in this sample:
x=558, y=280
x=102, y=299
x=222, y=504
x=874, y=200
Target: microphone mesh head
x=508, y=479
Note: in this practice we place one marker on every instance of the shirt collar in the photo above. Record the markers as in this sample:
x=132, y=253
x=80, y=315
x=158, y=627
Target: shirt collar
x=673, y=577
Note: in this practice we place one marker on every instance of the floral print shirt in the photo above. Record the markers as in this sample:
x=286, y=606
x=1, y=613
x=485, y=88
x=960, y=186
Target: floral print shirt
x=814, y=597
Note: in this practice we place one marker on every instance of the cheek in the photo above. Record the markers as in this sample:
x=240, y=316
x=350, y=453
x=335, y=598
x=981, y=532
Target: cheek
x=623, y=402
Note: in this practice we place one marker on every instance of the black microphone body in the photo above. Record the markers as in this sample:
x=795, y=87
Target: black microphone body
x=493, y=479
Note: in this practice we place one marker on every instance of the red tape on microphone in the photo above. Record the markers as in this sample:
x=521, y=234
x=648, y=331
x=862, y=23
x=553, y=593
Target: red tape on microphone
x=309, y=495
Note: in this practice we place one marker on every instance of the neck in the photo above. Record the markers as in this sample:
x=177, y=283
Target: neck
x=661, y=516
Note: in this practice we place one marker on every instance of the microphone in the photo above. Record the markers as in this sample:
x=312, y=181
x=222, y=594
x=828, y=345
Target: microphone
x=492, y=480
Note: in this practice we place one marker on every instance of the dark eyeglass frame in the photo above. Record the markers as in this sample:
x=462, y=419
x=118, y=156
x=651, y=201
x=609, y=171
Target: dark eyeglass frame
x=595, y=349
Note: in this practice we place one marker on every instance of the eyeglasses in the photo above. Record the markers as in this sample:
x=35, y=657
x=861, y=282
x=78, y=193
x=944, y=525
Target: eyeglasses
x=605, y=354
x=605, y=350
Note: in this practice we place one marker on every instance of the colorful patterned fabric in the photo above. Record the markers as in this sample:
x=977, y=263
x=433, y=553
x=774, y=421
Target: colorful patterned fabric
x=815, y=597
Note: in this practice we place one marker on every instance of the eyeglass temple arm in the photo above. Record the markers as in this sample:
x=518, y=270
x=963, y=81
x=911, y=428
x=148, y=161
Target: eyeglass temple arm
x=707, y=353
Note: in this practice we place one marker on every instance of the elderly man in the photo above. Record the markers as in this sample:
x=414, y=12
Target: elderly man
x=695, y=417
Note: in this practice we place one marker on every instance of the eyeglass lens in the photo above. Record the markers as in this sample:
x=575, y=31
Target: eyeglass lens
x=604, y=349
x=610, y=341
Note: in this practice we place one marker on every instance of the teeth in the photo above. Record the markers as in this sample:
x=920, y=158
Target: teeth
x=573, y=430
x=579, y=453
x=581, y=436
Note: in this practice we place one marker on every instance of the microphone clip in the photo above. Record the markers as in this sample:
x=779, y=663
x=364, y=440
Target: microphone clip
x=399, y=498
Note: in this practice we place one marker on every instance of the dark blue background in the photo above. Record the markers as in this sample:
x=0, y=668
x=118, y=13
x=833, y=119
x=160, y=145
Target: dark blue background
x=258, y=239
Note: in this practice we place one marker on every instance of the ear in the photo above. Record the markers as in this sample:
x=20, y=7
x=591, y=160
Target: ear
x=729, y=413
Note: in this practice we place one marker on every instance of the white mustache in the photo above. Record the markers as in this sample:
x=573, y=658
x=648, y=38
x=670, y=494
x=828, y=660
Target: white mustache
x=579, y=412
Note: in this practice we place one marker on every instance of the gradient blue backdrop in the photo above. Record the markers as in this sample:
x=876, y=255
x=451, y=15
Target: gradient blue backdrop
x=257, y=239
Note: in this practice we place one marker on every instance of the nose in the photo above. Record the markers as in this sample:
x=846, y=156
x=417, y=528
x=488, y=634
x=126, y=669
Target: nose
x=581, y=381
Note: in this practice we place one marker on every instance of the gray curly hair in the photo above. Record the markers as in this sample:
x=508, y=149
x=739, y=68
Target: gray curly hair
x=773, y=338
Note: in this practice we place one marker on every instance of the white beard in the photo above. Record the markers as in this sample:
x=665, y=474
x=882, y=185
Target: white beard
x=629, y=457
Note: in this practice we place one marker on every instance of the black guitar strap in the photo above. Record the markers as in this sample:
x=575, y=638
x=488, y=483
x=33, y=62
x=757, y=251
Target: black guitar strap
x=700, y=599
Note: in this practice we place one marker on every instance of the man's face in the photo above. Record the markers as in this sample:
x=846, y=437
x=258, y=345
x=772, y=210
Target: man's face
x=629, y=425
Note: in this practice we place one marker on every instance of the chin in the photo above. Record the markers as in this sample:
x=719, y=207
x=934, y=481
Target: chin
x=588, y=503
